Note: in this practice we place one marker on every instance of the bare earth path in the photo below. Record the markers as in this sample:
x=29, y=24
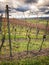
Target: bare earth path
x=22, y=55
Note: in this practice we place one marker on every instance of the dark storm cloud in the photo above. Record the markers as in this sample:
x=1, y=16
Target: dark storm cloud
x=43, y=9
x=47, y=5
x=47, y=12
x=31, y=1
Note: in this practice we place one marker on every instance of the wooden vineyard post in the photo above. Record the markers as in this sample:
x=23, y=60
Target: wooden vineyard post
x=8, y=24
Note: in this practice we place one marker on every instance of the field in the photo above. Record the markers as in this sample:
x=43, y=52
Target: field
x=27, y=39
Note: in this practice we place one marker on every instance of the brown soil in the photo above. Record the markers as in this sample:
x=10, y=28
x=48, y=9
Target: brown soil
x=23, y=55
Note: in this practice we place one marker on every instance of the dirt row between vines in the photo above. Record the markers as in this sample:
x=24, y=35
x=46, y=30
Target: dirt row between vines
x=23, y=55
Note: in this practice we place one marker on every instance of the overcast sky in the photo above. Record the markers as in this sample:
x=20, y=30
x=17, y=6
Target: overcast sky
x=36, y=6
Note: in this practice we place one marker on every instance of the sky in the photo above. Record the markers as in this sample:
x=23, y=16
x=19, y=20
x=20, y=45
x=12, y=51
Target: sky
x=36, y=7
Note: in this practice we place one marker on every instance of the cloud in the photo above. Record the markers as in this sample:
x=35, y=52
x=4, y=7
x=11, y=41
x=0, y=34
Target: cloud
x=46, y=2
x=43, y=3
x=43, y=8
x=34, y=5
x=2, y=5
x=47, y=12
x=31, y=1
